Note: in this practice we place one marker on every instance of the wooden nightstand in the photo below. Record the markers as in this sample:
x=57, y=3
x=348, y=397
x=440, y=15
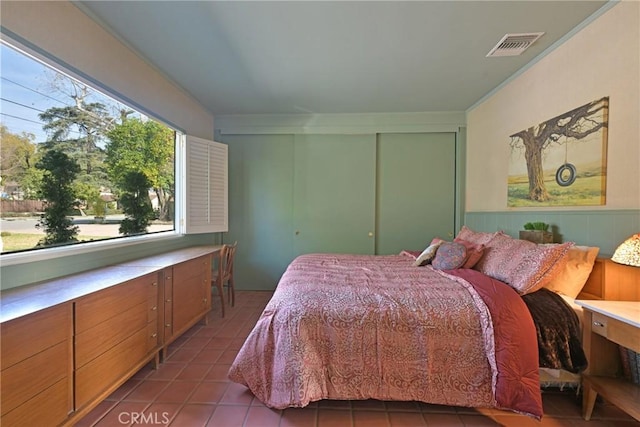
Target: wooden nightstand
x=607, y=324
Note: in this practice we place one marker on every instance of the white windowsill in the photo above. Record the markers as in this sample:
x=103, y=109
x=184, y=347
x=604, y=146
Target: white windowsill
x=78, y=249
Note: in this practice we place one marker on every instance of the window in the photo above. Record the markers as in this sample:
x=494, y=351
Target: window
x=76, y=165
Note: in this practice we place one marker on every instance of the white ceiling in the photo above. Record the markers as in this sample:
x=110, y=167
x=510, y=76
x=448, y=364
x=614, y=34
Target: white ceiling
x=240, y=57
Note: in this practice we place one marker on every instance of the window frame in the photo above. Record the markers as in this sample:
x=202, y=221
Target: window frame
x=180, y=172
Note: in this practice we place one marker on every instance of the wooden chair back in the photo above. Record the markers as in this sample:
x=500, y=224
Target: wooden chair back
x=225, y=274
x=225, y=266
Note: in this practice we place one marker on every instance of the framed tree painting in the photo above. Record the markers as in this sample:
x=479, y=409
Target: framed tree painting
x=561, y=161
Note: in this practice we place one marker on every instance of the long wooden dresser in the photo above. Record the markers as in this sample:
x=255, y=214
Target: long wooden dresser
x=67, y=343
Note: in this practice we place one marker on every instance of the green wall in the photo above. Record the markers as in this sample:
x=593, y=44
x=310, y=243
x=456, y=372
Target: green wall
x=603, y=228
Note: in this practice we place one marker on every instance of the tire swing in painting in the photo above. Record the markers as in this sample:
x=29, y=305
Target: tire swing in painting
x=566, y=173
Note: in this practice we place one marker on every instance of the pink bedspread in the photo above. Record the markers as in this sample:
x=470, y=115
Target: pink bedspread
x=356, y=327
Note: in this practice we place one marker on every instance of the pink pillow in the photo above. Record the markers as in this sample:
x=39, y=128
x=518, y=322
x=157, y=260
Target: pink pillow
x=412, y=254
x=523, y=265
x=479, y=238
x=474, y=252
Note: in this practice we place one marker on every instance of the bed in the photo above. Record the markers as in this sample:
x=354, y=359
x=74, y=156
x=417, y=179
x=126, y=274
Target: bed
x=355, y=327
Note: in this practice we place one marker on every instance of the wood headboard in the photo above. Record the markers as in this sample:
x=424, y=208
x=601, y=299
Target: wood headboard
x=612, y=281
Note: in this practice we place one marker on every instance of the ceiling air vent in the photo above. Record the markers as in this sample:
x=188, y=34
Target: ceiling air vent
x=514, y=44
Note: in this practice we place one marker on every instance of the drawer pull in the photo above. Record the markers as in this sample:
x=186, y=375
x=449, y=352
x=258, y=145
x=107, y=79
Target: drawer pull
x=168, y=277
x=168, y=325
x=154, y=335
x=154, y=284
x=169, y=300
x=599, y=324
x=155, y=307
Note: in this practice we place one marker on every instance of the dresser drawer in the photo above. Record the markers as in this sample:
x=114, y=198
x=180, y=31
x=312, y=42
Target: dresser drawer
x=36, y=362
x=102, y=305
x=105, y=370
x=100, y=338
x=27, y=379
x=50, y=408
x=152, y=335
x=28, y=335
x=189, y=301
x=192, y=268
x=153, y=297
x=152, y=311
x=614, y=330
x=167, y=306
x=599, y=324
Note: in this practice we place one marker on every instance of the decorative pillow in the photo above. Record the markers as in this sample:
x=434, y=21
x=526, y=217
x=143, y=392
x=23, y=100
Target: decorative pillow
x=523, y=265
x=427, y=255
x=479, y=238
x=497, y=251
x=574, y=275
x=412, y=254
x=474, y=252
x=450, y=255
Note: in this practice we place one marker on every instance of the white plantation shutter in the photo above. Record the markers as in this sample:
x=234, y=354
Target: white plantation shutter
x=207, y=186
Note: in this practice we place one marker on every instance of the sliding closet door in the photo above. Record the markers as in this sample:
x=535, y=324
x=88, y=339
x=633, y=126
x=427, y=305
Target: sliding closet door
x=334, y=193
x=260, y=207
x=416, y=190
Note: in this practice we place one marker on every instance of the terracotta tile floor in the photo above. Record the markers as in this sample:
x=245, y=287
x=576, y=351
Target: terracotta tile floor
x=191, y=389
